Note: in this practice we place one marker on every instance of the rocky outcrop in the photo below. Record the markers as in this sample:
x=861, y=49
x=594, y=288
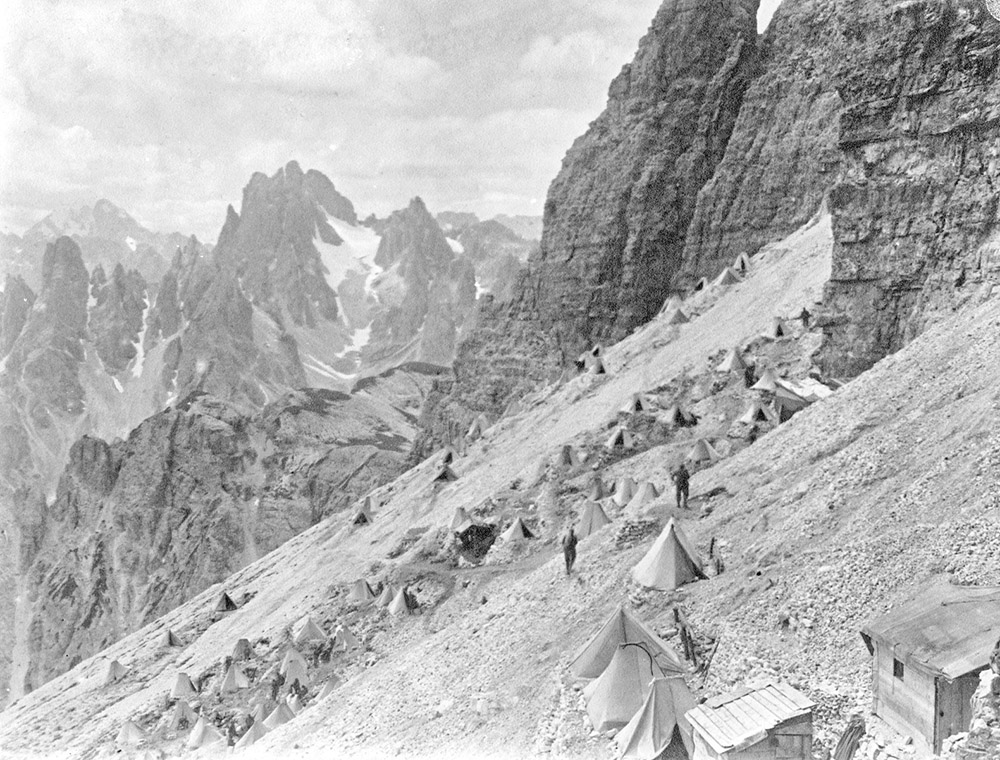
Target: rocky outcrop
x=782, y=156
x=115, y=320
x=425, y=293
x=196, y=492
x=15, y=303
x=917, y=195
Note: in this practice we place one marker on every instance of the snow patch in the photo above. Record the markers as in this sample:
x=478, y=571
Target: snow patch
x=356, y=252
x=140, y=357
x=480, y=290
x=118, y=384
x=456, y=247
x=130, y=242
x=322, y=368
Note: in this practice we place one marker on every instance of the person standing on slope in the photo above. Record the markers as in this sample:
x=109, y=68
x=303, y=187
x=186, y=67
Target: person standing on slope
x=681, y=478
x=569, y=549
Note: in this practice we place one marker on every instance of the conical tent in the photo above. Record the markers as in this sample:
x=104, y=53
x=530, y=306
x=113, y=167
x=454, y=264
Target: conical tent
x=758, y=412
x=182, y=716
x=671, y=304
x=204, y=734
x=261, y=711
x=638, y=403
x=296, y=671
x=670, y=562
x=130, y=734
x=309, y=632
x=644, y=495
x=597, y=491
x=513, y=409
x=169, y=639
x=478, y=427
x=447, y=455
x=292, y=655
x=680, y=418
x=768, y=381
x=597, y=367
x=361, y=592
x=620, y=628
x=660, y=725
x=329, y=687
x=386, y=597
x=787, y=402
x=619, y=692
x=778, y=329
x=701, y=284
x=252, y=734
x=445, y=475
x=733, y=362
x=225, y=604
x=279, y=716
x=727, y=277
x=364, y=514
x=401, y=604
x=295, y=704
x=242, y=650
x=344, y=639
x=677, y=317
x=568, y=457
x=182, y=687
x=620, y=439
x=461, y=521
x=702, y=451
x=517, y=531
x=114, y=672
x=624, y=491
x=742, y=263
x=592, y=519
x=234, y=680
x=597, y=350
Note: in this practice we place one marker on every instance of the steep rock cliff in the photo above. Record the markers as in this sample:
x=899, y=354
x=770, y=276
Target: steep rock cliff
x=115, y=319
x=917, y=197
x=15, y=304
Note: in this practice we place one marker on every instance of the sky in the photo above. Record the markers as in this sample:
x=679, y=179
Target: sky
x=167, y=107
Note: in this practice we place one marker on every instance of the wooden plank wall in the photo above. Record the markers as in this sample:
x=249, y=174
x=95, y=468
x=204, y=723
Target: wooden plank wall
x=907, y=704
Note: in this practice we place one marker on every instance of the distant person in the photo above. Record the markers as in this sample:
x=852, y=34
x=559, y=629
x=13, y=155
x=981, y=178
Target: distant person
x=754, y=433
x=569, y=549
x=805, y=316
x=750, y=374
x=682, y=481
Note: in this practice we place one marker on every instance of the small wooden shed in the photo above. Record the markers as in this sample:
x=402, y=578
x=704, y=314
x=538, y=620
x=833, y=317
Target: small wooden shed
x=927, y=654
x=771, y=722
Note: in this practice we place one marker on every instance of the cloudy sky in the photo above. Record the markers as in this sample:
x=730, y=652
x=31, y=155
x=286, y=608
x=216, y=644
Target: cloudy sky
x=166, y=107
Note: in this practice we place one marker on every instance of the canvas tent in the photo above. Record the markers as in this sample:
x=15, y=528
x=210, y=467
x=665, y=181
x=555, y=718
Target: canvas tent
x=295, y=704
x=344, y=638
x=182, y=687
x=461, y=521
x=592, y=519
x=727, y=277
x=733, y=362
x=644, y=494
x=234, y=680
x=620, y=439
x=620, y=628
x=291, y=656
x=596, y=488
x=597, y=367
x=771, y=722
x=170, y=639
x=445, y=475
x=278, y=717
x=225, y=605
x=671, y=304
x=242, y=650
x=618, y=693
x=742, y=263
x=701, y=285
x=778, y=329
x=659, y=729
x=788, y=402
x=364, y=514
x=517, y=531
x=261, y=711
x=677, y=317
x=182, y=716
x=624, y=491
x=680, y=418
x=478, y=427
x=204, y=734
x=637, y=403
x=702, y=451
x=768, y=381
x=331, y=685
x=402, y=604
x=758, y=412
x=309, y=632
x=251, y=735
x=296, y=671
x=130, y=734
x=446, y=455
x=513, y=409
x=114, y=672
x=670, y=562
x=361, y=592
x=386, y=597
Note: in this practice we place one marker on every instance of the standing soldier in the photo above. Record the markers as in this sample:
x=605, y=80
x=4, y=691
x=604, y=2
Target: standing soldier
x=569, y=549
x=681, y=478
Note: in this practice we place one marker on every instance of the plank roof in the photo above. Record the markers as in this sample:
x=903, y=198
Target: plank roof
x=742, y=718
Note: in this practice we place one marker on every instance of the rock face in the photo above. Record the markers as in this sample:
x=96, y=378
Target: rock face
x=195, y=493
x=498, y=255
x=15, y=303
x=425, y=293
x=917, y=195
x=782, y=156
x=115, y=320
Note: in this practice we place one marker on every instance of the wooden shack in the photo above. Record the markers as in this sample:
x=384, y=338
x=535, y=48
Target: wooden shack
x=926, y=657
x=771, y=722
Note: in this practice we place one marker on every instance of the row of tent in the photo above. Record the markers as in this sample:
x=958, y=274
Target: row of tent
x=396, y=601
